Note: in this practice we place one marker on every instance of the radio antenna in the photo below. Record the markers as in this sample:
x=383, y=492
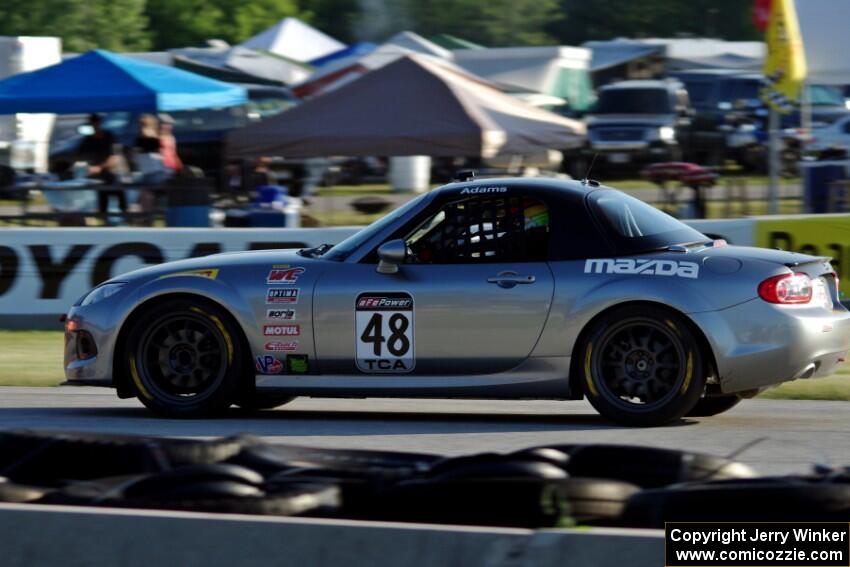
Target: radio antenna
x=590, y=167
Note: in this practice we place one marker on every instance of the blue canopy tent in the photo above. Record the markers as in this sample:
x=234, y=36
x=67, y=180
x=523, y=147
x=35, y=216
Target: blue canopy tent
x=100, y=81
x=354, y=50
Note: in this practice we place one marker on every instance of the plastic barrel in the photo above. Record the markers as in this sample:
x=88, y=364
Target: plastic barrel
x=188, y=203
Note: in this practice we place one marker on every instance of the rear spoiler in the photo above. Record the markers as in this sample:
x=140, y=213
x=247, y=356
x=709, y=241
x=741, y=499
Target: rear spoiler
x=815, y=260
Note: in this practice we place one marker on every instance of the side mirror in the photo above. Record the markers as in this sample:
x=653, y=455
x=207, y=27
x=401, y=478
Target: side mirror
x=391, y=254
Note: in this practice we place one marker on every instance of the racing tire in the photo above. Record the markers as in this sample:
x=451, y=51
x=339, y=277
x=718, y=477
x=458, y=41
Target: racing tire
x=757, y=500
x=48, y=457
x=709, y=406
x=642, y=366
x=184, y=359
x=648, y=467
x=256, y=401
x=596, y=501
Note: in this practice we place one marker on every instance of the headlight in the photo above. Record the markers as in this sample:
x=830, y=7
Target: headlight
x=667, y=133
x=102, y=292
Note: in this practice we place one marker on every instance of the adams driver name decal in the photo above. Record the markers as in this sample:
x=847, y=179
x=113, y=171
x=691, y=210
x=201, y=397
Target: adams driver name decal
x=384, y=332
x=643, y=267
x=277, y=295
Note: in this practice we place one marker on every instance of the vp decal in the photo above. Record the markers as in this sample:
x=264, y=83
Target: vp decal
x=384, y=332
x=267, y=364
x=642, y=267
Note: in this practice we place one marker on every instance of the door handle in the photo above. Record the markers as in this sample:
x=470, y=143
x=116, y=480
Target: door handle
x=510, y=279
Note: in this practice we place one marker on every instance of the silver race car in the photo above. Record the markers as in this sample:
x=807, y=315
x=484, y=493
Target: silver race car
x=496, y=288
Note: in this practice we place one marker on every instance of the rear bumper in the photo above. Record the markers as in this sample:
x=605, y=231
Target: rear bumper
x=758, y=344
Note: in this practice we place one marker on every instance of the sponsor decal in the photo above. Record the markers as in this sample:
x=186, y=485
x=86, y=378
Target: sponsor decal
x=642, y=267
x=478, y=190
x=384, y=331
x=267, y=364
x=281, y=330
x=297, y=363
x=209, y=273
x=284, y=274
x=281, y=346
x=282, y=295
x=381, y=303
x=280, y=314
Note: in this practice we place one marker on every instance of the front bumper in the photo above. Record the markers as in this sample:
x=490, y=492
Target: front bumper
x=101, y=328
x=759, y=344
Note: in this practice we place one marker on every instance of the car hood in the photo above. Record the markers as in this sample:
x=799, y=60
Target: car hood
x=646, y=120
x=215, y=262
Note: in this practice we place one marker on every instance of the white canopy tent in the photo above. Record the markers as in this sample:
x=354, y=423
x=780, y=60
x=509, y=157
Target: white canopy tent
x=823, y=25
x=292, y=38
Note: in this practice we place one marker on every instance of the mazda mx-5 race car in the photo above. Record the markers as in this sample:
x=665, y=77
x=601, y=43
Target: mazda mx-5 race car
x=495, y=288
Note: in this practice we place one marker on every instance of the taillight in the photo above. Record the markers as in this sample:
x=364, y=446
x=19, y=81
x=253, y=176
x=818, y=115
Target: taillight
x=787, y=289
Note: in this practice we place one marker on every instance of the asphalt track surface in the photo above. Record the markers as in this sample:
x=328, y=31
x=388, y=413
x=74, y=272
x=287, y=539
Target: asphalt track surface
x=774, y=436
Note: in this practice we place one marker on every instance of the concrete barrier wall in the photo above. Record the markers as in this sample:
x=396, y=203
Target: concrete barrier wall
x=33, y=535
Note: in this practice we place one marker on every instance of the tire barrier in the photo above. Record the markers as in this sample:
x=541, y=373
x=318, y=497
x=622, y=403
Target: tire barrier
x=538, y=487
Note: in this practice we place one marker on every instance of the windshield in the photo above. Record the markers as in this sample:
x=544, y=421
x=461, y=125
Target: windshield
x=634, y=101
x=637, y=226
x=823, y=95
x=344, y=249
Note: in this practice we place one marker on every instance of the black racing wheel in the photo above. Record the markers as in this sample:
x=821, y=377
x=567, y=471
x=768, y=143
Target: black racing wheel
x=641, y=365
x=708, y=406
x=185, y=358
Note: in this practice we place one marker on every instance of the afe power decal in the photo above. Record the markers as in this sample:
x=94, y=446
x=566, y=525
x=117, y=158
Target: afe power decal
x=384, y=332
x=267, y=364
x=277, y=295
x=281, y=330
x=280, y=314
x=284, y=274
x=282, y=346
x=643, y=267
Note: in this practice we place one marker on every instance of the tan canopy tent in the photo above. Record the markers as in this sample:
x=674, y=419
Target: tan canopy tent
x=413, y=106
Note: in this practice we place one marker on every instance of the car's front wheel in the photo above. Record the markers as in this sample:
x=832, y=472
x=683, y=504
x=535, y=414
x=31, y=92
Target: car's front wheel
x=642, y=366
x=184, y=358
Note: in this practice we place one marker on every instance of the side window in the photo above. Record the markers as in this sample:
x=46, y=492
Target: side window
x=484, y=229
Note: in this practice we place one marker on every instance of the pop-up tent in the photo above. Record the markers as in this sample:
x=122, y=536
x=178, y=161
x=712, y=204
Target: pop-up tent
x=292, y=38
x=100, y=81
x=413, y=106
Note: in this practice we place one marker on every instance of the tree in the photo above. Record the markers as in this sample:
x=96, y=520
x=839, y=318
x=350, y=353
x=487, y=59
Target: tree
x=180, y=23
x=607, y=19
x=117, y=25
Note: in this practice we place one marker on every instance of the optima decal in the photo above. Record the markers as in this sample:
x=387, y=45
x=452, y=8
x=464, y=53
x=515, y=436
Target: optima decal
x=284, y=274
x=282, y=295
x=281, y=330
x=642, y=267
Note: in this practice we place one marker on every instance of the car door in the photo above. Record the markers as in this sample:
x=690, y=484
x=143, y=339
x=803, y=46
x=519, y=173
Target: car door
x=472, y=298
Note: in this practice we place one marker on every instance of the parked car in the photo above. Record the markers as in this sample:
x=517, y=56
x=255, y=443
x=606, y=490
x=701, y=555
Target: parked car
x=730, y=120
x=635, y=122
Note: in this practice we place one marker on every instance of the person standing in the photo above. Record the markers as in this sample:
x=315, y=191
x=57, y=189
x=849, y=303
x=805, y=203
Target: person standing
x=97, y=150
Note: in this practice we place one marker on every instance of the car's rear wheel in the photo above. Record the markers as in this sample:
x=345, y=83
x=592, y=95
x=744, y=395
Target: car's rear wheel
x=708, y=406
x=184, y=358
x=642, y=366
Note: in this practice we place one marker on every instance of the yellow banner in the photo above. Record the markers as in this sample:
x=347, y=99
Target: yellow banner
x=785, y=64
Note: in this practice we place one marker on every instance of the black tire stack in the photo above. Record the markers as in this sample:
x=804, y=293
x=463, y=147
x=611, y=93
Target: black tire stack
x=556, y=485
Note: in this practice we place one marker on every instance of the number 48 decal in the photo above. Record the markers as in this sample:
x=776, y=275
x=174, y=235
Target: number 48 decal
x=384, y=326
